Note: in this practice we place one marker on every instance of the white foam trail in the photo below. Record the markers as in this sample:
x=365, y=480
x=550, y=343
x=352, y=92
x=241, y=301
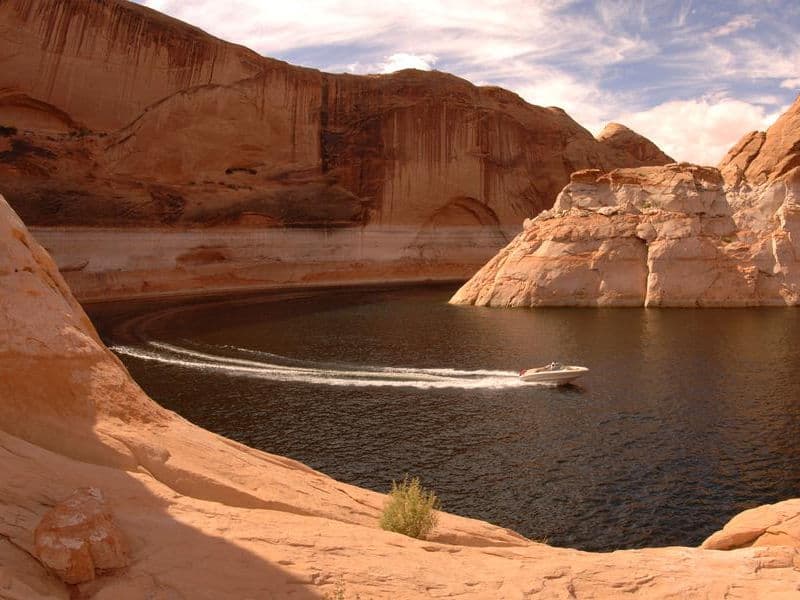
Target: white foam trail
x=406, y=370
x=357, y=377
x=309, y=370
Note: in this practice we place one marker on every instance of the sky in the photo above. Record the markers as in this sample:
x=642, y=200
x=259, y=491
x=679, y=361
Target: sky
x=691, y=75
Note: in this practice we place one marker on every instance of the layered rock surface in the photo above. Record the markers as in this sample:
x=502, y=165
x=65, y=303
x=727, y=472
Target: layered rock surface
x=112, y=115
x=205, y=517
x=676, y=235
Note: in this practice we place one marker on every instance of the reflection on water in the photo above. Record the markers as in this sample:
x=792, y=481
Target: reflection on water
x=687, y=416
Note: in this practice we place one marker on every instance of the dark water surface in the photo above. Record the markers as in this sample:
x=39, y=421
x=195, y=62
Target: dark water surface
x=687, y=416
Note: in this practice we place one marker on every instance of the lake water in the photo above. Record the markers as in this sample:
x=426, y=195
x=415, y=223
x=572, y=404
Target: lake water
x=686, y=418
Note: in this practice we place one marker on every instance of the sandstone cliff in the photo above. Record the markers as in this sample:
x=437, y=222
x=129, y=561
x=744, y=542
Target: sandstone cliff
x=762, y=158
x=677, y=235
x=205, y=517
x=615, y=135
x=114, y=116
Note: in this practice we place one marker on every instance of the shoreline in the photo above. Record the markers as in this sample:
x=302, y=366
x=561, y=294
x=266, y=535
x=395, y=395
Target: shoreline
x=110, y=265
x=235, y=293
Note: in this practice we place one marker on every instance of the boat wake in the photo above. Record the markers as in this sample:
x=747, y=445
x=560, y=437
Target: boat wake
x=273, y=367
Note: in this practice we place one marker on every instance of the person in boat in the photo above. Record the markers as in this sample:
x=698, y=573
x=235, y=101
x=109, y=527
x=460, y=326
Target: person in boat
x=553, y=366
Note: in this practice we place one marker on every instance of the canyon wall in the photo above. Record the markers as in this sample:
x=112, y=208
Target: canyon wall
x=195, y=515
x=675, y=235
x=114, y=116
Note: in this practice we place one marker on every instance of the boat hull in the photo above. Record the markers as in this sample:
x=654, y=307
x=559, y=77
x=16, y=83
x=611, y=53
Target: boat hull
x=560, y=377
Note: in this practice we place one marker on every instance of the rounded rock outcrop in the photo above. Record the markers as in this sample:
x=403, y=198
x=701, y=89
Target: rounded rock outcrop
x=641, y=149
x=78, y=538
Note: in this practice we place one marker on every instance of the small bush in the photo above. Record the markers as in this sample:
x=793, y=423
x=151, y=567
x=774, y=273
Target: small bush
x=410, y=509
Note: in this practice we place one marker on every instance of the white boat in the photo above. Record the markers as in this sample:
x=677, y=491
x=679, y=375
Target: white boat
x=554, y=373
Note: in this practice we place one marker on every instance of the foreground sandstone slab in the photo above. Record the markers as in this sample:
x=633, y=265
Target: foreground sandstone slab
x=205, y=517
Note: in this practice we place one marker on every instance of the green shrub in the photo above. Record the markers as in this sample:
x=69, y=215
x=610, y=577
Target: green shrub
x=410, y=509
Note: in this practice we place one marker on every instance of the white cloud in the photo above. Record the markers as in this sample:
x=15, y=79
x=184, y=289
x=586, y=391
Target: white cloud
x=472, y=31
x=272, y=27
x=684, y=11
x=587, y=104
x=791, y=84
x=395, y=62
x=404, y=60
x=700, y=130
x=737, y=23
x=620, y=13
x=751, y=59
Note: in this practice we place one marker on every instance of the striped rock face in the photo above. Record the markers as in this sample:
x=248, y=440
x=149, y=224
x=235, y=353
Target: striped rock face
x=113, y=116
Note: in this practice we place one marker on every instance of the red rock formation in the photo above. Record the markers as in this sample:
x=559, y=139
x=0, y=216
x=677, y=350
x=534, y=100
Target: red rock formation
x=642, y=150
x=294, y=146
x=654, y=236
x=739, y=157
x=78, y=538
x=114, y=115
x=761, y=158
x=103, y=63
